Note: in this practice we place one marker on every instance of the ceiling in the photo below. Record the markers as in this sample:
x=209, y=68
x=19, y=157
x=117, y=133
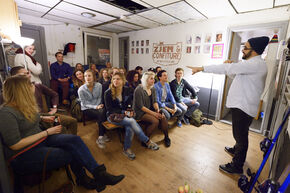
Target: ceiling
x=129, y=15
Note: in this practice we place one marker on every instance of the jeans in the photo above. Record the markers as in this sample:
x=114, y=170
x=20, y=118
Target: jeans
x=240, y=123
x=131, y=127
x=100, y=115
x=189, y=108
x=64, y=149
x=179, y=114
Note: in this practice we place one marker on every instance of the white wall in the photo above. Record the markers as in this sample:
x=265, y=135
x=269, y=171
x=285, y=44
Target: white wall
x=58, y=34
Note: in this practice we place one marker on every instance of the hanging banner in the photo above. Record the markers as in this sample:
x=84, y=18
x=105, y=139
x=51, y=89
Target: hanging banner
x=104, y=55
x=166, y=54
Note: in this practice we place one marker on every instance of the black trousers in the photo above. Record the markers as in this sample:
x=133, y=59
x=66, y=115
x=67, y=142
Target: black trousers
x=241, y=122
x=100, y=116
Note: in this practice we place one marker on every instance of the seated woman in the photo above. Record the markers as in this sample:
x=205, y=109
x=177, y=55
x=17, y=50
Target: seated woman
x=90, y=95
x=118, y=100
x=133, y=79
x=93, y=67
x=79, y=66
x=78, y=80
x=20, y=131
x=146, y=107
x=104, y=76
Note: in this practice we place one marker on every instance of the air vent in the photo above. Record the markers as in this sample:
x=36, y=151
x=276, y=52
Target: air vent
x=128, y=5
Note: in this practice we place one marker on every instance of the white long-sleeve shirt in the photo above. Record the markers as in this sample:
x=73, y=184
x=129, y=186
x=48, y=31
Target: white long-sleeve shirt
x=248, y=83
x=35, y=70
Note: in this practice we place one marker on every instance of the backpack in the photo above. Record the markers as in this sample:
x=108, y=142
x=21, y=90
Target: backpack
x=75, y=109
x=195, y=118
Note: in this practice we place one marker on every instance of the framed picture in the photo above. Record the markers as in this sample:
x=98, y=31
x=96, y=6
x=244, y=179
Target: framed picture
x=142, y=50
x=207, y=38
x=137, y=43
x=147, y=50
x=147, y=42
x=197, y=49
x=219, y=37
x=142, y=42
x=132, y=43
x=132, y=51
x=188, y=39
x=217, y=50
x=197, y=38
x=206, y=48
x=137, y=50
x=188, y=49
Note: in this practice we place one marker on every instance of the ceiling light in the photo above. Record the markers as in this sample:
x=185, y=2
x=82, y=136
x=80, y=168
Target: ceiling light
x=88, y=15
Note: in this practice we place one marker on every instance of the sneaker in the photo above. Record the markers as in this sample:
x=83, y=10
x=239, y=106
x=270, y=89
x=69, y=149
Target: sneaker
x=179, y=124
x=101, y=143
x=153, y=146
x=106, y=138
x=230, y=169
x=167, y=142
x=186, y=121
x=230, y=151
x=129, y=154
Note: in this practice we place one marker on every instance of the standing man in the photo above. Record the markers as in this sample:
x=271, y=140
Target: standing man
x=179, y=88
x=243, y=97
x=61, y=73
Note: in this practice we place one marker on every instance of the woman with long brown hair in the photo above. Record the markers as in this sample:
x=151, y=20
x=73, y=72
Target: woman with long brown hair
x=27, y=145
x=118, y=101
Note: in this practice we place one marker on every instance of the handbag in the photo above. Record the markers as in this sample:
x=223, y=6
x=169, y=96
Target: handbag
x=117, y=118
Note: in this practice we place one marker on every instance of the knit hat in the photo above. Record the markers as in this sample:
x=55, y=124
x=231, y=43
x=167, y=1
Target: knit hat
x=259, y=44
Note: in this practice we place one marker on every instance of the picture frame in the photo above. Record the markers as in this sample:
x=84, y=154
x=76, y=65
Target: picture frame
x=188, y=49
x=197, y=49
x=217, y=51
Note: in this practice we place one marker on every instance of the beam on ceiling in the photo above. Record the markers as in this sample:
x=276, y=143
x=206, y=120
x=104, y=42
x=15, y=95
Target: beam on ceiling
x=51, y=8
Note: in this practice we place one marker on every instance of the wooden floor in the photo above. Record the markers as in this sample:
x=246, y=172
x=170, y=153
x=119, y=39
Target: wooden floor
x=193, y=157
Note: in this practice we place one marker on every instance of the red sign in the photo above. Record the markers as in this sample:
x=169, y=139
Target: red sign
x=166, y=54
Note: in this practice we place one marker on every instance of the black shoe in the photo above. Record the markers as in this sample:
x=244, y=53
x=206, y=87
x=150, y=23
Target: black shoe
x=90, y=183
x=230, y=151
x=231, y=169
x=167, y=141
x=143, y=144
x=103, y=177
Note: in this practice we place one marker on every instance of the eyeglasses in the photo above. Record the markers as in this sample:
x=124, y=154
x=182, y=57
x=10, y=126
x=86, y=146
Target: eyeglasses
x=246, y=48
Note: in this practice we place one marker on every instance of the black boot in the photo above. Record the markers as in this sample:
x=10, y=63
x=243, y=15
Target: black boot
x=103, y=177
x=89, y=183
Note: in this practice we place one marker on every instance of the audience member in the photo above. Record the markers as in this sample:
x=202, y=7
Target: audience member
x=179, y=88
x=28, y=62
x=118, y=101
x=92, y=104
x=146, y=107
x=157, y=69
x=139, y=69
x=79, y=66
x=93, y=67
x=43, y=91
x=61, y=73
x=133, y=79
x=20, y=132
x=123, y=71
x=104, y=76
x=165, y=99
x=78, y=80
x=108, y=65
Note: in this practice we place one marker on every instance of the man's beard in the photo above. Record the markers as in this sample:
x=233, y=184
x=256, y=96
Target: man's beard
x=246, y=56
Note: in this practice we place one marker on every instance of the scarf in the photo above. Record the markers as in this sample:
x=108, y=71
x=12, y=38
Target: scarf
x=20, y=51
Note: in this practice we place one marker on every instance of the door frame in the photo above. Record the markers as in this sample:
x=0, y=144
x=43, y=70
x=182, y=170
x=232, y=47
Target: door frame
x=128, y=50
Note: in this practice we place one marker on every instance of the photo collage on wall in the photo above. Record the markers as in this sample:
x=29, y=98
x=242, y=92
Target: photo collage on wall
x=202, y=43
x=140, y=47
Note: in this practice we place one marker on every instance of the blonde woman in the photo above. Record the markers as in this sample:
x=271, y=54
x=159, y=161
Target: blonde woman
x=27, y=145
x=146, y=107
x=118, y=101
x=27, y=60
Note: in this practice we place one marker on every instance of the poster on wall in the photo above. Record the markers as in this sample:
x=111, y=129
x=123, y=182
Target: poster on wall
x=166, y=54
x=147, y=42
x=142, y=42
x=137, y=43
x=197, y=38
x=207, y=38
x=219, y=37
x=217, y=50
x=142, y=50
x=104, y=55
x=132, y=43
x=132, y=51
x=147, y=50
x=206, y=48
x=137, y=50
x=188, y=49
x=197, y=49
x=188, y=39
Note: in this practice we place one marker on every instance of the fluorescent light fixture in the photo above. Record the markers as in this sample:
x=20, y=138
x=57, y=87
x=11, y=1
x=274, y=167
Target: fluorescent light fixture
x=88, y=14
x=23, y=41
